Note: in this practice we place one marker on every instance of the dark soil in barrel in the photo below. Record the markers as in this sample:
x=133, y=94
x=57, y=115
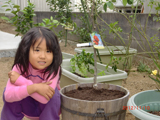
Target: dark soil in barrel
x=91, y=94
x=155, y=112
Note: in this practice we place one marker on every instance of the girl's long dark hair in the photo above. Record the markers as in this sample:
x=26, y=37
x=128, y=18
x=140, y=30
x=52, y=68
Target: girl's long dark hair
x=28, y=40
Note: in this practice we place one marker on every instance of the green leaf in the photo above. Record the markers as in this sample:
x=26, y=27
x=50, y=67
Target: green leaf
x=51, y=18
x=17, y=34
x=110, y=5
x=44, y=20
x=31, y=21
x=101, y=73
x=157, y=8
x=124, y=2
x=157, y=64
x=42, y=24
x=47, y=21
x=114, y=67
x=16, y=6
x=33, y=14
x=55, y=21
x=131, y=16
x=155, y=79
x=107, y=66
x=5, y=6
x=105, y=7
x=24, y=11
x=91, y=71
x=8, y=9
x=130, y=2
x=5, y=18
x=113, y=0
x=63, y=24
x=155, y=18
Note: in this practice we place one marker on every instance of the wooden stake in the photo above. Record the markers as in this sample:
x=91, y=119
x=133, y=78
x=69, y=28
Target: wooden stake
x=95, y=67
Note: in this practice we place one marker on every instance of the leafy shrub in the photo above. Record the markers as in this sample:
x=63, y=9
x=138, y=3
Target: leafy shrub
x=23, y=19
x=143, y=68
x=81, y=62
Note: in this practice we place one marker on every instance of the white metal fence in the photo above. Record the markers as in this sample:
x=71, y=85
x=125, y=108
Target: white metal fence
x=40, y=5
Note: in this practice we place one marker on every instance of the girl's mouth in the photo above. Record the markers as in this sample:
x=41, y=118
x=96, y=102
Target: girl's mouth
x=41, y=63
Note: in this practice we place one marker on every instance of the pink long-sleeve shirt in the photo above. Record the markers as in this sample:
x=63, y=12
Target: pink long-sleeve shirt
x=18, y=90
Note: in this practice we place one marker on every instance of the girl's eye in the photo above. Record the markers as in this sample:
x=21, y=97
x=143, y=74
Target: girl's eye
x=48, y=51
x=36, y=50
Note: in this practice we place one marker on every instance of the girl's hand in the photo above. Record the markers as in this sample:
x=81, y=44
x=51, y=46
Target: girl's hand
x=45, y=90
x=13, y=76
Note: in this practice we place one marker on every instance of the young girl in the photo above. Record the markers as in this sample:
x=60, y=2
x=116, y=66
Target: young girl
x=33, y=86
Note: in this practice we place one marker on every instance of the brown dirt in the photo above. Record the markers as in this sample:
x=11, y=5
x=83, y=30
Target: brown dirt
x=6, y=27
x=91, y=94
x=135, y=82
x=155, y=113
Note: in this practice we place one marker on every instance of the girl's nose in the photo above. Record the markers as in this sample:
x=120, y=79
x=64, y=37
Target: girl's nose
x=42, y=55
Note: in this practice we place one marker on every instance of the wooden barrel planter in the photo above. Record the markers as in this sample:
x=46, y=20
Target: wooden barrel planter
x=76, y=109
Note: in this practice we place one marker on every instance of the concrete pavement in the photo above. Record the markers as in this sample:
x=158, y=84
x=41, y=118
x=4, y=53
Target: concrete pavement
x=8, y=44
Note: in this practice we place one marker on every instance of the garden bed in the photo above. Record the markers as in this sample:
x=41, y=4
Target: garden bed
x=135, y=82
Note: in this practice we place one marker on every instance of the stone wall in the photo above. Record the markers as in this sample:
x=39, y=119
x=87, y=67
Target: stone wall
x=149, y=28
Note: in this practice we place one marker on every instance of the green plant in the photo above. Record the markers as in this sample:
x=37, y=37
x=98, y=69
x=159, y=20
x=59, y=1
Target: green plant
x=81, y=31
x=156, y=59
x=22, y=21
x=102, y=73
x=63, y=9
x=142, y=67
x=82, y=62
x=114, y=28
x=114, y=61
x=85, y=27
x=91, y=13
x=51, y=24
x=156, y=75
x=154, y=52
x=156, y=6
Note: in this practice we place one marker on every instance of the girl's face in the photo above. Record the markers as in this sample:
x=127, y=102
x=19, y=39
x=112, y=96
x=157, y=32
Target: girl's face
x=39, y=56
